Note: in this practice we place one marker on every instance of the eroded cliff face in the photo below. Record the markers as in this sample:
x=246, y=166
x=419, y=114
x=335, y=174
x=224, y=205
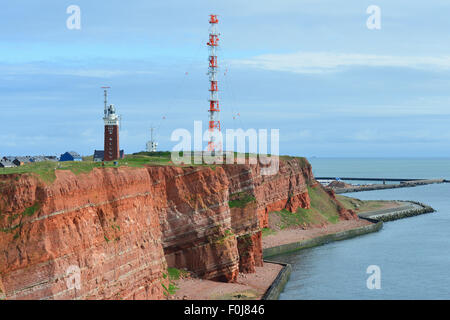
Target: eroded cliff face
x=285, y=190
x=112, y=233
x=102, y=226
x=195, y=220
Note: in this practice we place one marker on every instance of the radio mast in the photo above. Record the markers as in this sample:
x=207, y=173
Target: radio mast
x=214, y=122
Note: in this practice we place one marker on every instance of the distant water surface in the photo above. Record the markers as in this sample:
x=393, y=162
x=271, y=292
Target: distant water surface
x=382, y=168
x=413, y=254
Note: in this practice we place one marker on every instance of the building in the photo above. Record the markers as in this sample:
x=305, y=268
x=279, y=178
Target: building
x=51, y=158
x=21, y=160
x=111, y=120
x=44, y=158
x=99, y=155
x=38, y=159
x=152, y=145
x=6, y=164
x=70, y=156
x=17, y=162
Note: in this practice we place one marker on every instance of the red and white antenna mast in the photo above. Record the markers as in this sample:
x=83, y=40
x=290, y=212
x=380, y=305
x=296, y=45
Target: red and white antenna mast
x=214, y=123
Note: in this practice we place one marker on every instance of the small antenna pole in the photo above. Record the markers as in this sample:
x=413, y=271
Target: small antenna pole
x=152, y=145
x=105, y=89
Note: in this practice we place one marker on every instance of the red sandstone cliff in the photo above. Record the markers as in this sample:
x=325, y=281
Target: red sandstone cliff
x=122, y=227
x=103, y=223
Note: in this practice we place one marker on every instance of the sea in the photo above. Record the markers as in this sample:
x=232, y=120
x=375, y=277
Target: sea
x=408, y=259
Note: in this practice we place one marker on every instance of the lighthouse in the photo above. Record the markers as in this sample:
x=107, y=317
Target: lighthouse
x=111, y=119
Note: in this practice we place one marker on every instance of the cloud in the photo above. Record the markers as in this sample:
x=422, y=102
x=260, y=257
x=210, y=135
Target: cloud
x=320, y=62
x=105, y=72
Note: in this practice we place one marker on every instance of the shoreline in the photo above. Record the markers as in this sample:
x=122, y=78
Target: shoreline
x=268, y=281
x=360, y=227
x=375, y=220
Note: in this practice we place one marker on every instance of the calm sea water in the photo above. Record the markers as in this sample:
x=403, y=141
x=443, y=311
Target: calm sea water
x=413, y=254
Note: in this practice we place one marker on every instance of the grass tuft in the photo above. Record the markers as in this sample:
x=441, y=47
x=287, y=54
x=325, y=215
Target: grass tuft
x=323, y=210
x=240, y=200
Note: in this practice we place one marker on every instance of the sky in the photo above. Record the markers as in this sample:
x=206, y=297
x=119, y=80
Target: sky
x=310, y=68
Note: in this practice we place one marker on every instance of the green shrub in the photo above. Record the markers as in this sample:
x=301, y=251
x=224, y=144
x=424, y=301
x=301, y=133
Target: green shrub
x=240, y=200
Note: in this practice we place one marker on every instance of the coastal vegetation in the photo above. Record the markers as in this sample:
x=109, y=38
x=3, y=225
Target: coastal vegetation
x=240, y=200
x=361, y=206
x=323, y=210
x=177, y=274
x=45, y=170
x=172, y=275
x=11, y=220
x=267, y=231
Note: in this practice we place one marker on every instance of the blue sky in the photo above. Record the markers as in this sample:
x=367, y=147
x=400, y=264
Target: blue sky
x=310, y=68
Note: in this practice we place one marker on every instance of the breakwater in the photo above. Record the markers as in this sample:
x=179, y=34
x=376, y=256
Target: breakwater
x=414, y=209
x=402, y=184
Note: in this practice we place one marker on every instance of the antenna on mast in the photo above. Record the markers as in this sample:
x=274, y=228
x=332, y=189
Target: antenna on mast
x=214, y=122
x=105, y=89
x=152, y=144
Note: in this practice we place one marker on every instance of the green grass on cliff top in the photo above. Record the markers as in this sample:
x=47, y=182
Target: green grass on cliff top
x=46, y=169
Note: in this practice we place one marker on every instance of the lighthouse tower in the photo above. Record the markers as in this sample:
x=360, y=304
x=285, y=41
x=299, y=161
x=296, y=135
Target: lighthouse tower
x=111, y=119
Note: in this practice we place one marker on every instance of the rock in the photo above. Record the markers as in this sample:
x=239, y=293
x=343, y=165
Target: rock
x=82, y=225
x=111, y=233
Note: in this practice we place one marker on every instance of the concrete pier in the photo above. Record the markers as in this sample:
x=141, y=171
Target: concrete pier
x=402, y=184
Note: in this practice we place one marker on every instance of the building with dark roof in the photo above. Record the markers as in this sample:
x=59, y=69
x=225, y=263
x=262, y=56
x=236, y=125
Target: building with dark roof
x=17, y=162
x=99, y=155
x=70, y=156
x=6, y=164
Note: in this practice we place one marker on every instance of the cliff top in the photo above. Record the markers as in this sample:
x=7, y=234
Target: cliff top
x=46, y=169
